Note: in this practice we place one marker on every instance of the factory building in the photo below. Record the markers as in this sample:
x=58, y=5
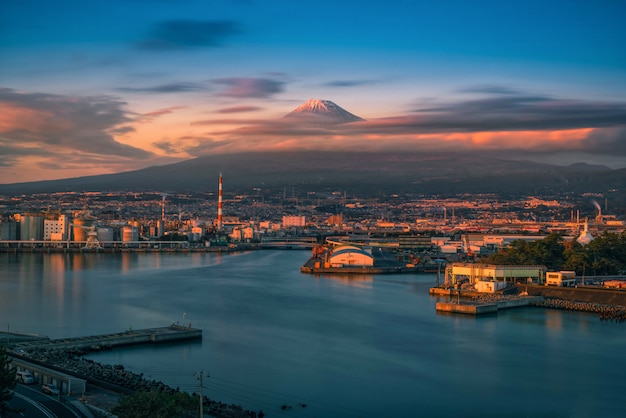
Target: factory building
x=55, y=229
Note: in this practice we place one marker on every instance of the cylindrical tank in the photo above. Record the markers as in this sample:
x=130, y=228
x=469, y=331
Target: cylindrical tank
x=105, y=234
x=130, y=233
x=81, y=227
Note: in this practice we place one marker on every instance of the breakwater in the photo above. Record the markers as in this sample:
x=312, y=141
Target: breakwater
x=605, y=312
x=116, y=378
x=67, y=356
x=591, y=294
x=106, y=341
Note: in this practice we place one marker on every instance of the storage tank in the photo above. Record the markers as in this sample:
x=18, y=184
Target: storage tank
x=105, y=234
x=31, y=228
x=130, y=233
x=81, y=227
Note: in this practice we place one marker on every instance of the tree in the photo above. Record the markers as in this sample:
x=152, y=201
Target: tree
x=155, y=404
x=576, y=257
x=8, y=381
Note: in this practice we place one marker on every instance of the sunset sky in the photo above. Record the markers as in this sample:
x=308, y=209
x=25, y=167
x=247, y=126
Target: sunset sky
x=95, y=87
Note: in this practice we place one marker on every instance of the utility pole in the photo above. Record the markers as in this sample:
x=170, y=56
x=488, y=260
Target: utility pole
x=200, y=375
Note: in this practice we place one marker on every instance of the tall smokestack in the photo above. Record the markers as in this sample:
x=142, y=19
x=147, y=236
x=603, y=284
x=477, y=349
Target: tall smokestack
x=219, y=205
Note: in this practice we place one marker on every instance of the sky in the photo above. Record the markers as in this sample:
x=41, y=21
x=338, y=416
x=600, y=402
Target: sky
x=98, y=87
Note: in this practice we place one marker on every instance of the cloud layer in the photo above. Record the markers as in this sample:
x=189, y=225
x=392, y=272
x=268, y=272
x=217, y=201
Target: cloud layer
x=58, y=132
x=60, y=129
x=504, y=120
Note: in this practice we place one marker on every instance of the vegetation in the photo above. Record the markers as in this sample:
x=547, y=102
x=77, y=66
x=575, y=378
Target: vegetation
x=155, y=404
x=8, y=380
x=605, y=255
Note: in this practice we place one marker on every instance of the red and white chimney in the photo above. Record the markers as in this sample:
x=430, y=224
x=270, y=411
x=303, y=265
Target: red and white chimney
x=219, y=205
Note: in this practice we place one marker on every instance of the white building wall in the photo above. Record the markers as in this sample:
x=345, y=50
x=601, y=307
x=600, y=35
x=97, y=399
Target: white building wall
x=52, y=229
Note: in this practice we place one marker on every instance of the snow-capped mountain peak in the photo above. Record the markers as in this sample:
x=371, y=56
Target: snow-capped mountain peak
x=322, y=111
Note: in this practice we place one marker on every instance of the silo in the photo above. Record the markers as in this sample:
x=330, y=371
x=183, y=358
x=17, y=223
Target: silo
x=105, y=234
x=31, y=228
x=81, y=227
x=130, y=233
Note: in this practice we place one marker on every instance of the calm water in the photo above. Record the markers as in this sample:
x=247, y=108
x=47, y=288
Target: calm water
x=370, y=346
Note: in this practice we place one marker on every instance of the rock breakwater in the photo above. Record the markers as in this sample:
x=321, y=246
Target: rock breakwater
x=118, y=379
x=605, y=312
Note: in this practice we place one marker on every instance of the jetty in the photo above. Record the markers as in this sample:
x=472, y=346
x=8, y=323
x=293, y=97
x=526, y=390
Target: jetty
x=480, y=308
x=98, y=342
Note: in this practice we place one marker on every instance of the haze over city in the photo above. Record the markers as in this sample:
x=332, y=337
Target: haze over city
x=103, y=87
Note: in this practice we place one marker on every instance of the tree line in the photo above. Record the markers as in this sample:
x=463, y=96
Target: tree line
x=605, y=255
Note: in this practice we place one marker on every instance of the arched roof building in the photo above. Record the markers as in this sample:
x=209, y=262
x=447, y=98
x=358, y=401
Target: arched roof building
x=348, y=255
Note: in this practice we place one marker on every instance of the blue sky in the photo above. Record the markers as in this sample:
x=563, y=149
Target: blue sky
x=90, y=87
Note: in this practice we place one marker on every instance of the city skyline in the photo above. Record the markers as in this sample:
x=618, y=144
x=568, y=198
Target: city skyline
x=107, y=87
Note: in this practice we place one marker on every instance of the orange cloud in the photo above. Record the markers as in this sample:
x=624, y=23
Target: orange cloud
x=16, y=117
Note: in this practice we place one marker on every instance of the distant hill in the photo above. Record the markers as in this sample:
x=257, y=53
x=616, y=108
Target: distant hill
x=366, y=174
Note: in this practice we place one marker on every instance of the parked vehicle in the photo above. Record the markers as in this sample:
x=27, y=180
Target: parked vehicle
x=50, y=388
x=25, y=377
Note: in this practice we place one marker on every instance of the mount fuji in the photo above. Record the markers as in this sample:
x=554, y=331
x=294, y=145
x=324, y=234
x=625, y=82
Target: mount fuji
x=322, y=112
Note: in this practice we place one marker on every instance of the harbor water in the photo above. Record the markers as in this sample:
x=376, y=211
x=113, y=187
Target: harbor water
x=300, y=345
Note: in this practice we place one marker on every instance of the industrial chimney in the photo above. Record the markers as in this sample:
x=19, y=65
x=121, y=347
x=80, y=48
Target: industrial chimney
x=219, y=205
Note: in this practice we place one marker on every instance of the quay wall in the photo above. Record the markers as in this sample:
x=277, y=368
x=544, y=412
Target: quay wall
x=579, y=294
x=469, y=309
x=189, y=334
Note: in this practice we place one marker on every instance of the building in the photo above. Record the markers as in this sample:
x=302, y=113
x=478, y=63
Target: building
x=351, y=256
x=414, y=242
x=294, y=221
x=55, y=229
x=457, y=273
x=561, y=278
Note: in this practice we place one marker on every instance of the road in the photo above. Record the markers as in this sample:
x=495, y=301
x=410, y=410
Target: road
x=37, y=404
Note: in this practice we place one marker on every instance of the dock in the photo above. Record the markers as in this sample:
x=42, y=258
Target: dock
x=481, y=308
x=172, y=333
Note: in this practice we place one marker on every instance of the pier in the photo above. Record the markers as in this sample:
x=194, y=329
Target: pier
x=97, y=342
x=480, y=308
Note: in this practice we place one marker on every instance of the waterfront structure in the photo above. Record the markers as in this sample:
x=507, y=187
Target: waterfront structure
x=8, y=230
x=130, y=234
x=80, y=229
x=458, y=273
x=55, y=229
x=351, y=256
x=561, y=278
x=31, y=228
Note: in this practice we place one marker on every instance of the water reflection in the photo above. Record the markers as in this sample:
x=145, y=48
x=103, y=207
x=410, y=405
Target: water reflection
x=364, y=281
x=372, y=343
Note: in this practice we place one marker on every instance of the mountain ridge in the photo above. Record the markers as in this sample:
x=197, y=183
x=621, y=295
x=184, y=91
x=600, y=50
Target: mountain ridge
x=372, y=174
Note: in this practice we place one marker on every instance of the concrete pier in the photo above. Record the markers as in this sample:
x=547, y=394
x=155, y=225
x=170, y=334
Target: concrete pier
x=98, y=342
x=470, y=308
